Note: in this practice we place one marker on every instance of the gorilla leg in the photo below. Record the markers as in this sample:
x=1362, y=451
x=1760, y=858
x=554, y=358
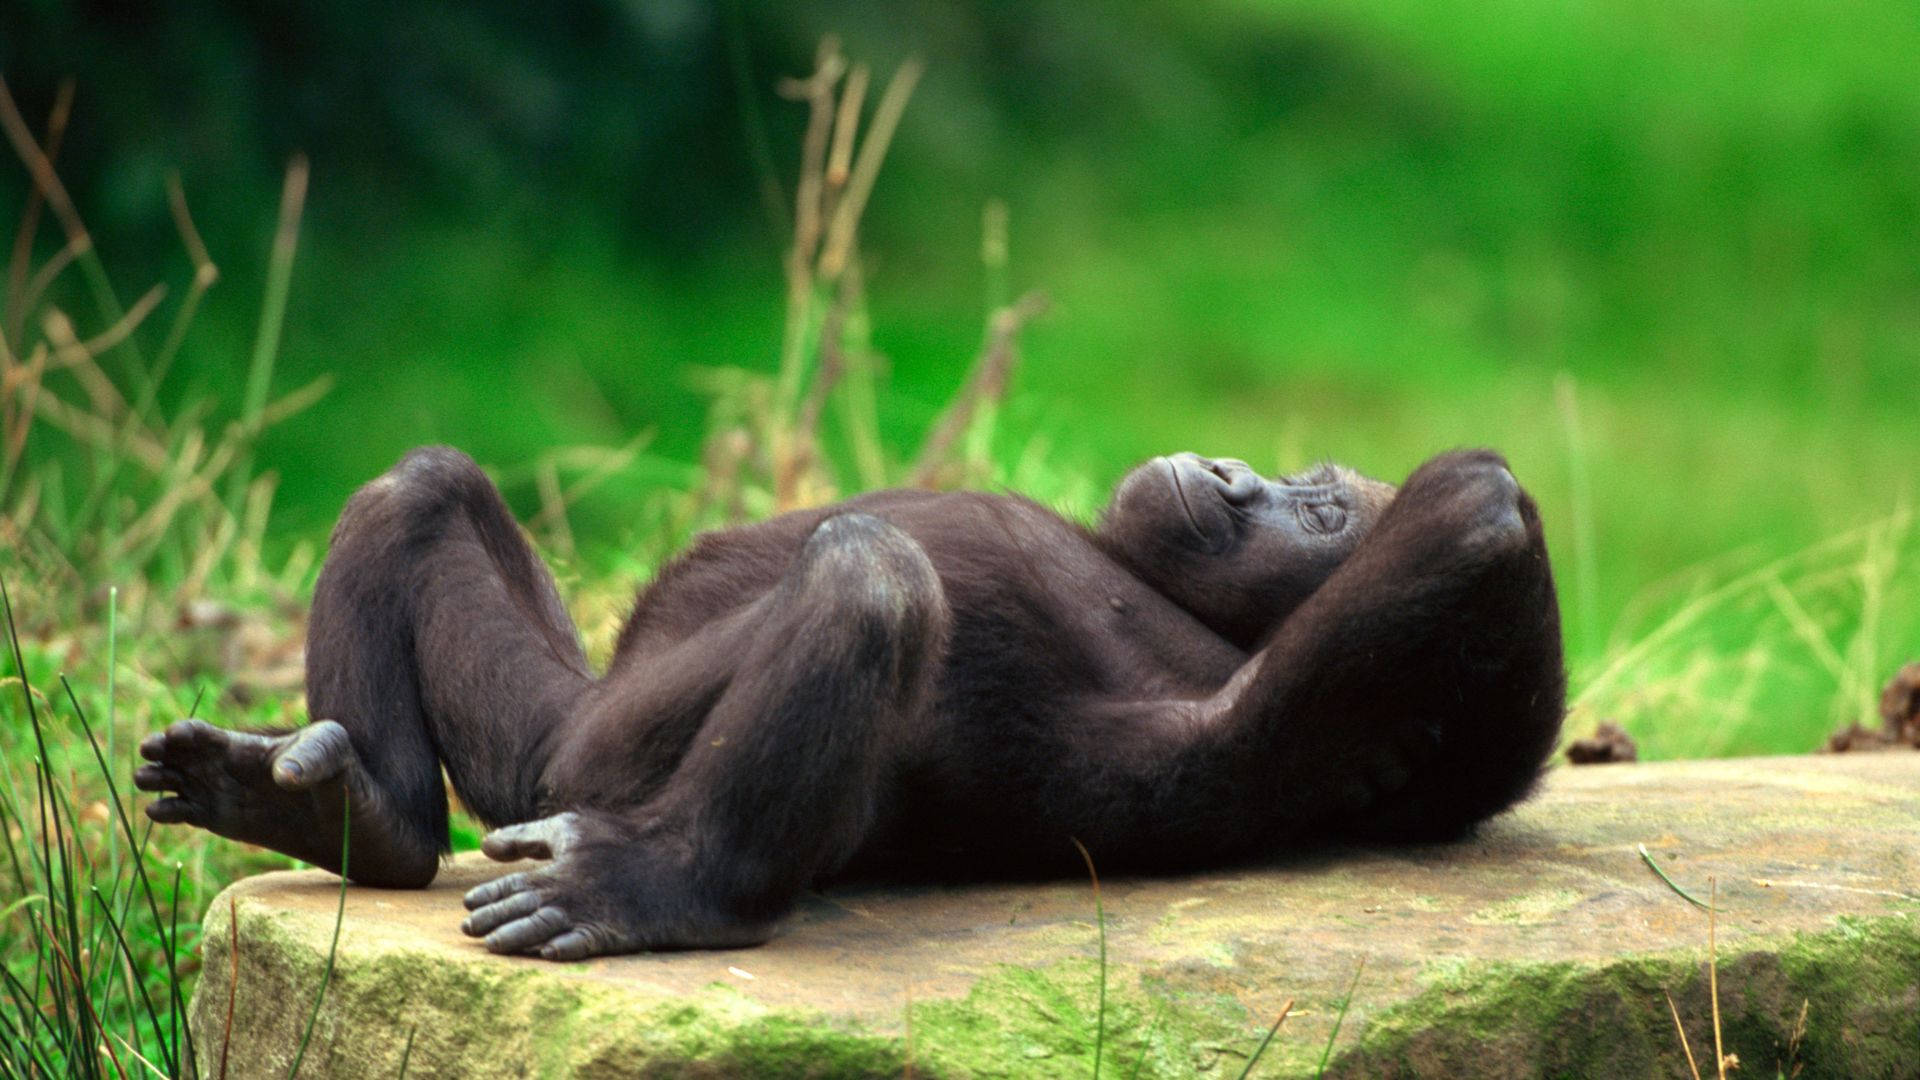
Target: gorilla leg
x=435, y=636
x=829, y=687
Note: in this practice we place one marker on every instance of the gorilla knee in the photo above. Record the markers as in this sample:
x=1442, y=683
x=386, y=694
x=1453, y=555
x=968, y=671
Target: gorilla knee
x=426, y=474
x=868, y=568
x=415, y=494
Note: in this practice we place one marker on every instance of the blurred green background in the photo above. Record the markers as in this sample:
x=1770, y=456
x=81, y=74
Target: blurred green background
x=1665, y=255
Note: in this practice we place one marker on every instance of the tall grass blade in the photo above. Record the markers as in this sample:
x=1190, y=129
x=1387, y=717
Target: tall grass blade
x=1346, y=1002
x=170, y=941
x=339, y=916
x=406, y=1053
x=1146, y=1041
x=1671, y=884
x=126, y=949
x=1271, y=1032
x=1713, y=975
x=273, y=313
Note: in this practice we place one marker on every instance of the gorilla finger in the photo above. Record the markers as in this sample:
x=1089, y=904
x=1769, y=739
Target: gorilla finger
x=154, y=746
x=576, y=944
x=317, y=752
x=542, y=839
x=192, y=732
x=487, y=919
x=158, y=778
x=174, y=811
x=526, y=934
x=499, y=888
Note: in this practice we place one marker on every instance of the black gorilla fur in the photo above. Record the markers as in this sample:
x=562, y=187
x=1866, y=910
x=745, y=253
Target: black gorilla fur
x=1224, y=666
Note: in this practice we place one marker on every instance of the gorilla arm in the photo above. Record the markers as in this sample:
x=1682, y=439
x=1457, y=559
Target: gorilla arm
x=1418, y=690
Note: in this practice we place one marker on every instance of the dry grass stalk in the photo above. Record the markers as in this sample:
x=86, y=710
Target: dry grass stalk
x=1693, y=1066
x=286, y=238
x=986, y=385
x=40, y=165
x=788, y=445
x=77, y=356
x=110, y=338
x=809, y=193
x=1793, y=1066
x=553, y=508
x=1713, y=972
x=764, y=453
x=151, y=482
x=727, y=455
x=99, y=432
x=799, y=479
x=994, y=252
x=36, y=287
x=20, y=264
x=839, y=166
x=858, y=397
x=845, y=123
x=22, y=282
x=598, y=465
x=20, y=391
x=841, y=234
x=205, y=273
x=833, y=356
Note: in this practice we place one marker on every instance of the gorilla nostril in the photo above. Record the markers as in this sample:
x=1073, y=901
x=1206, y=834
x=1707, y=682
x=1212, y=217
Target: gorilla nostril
x=1227, y=470
x=1238, y=482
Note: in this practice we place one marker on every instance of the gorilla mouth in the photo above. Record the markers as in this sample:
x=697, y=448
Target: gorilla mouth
x=1180, y=492
x=1209, y=518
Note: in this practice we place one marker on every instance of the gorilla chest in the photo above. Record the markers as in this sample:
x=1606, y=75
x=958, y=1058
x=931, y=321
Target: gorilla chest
x=1082, y=639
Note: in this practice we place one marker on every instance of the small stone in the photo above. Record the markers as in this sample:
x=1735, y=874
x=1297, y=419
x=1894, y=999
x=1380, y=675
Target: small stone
x=1900, y=705
x=1608, y=743
x=1899, y=715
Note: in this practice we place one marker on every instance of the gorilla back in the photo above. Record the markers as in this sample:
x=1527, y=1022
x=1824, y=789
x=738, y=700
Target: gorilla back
x=1224, y=665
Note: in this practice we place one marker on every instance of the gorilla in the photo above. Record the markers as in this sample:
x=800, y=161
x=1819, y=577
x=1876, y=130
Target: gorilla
x=1225, y=666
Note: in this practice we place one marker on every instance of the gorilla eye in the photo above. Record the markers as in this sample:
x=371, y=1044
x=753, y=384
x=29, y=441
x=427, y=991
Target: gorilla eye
x=1322, y=517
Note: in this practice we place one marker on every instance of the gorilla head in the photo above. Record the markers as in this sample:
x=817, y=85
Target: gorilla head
x=1236, y=550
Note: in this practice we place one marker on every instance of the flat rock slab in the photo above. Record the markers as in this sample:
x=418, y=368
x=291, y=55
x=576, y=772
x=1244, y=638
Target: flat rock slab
x=1545, y=946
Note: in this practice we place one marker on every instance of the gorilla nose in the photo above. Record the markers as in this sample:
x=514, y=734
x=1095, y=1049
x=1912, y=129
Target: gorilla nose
x=1235, y=479
x=1228, y=468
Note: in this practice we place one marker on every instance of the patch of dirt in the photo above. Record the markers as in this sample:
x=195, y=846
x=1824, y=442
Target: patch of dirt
x=1608, y=743
x=1899, y=715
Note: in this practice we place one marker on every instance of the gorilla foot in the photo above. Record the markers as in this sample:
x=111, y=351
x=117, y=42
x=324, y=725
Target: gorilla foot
x=287, y=792
x=242, y=785
x=609, y=888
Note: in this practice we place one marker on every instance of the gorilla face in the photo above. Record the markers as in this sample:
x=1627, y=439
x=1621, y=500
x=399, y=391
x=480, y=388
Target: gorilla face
x=1236, y=550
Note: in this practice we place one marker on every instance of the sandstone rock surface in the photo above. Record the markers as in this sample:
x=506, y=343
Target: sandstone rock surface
x=1545, y=946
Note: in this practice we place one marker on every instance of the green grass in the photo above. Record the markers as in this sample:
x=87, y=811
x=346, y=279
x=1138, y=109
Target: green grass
x=92, y=932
